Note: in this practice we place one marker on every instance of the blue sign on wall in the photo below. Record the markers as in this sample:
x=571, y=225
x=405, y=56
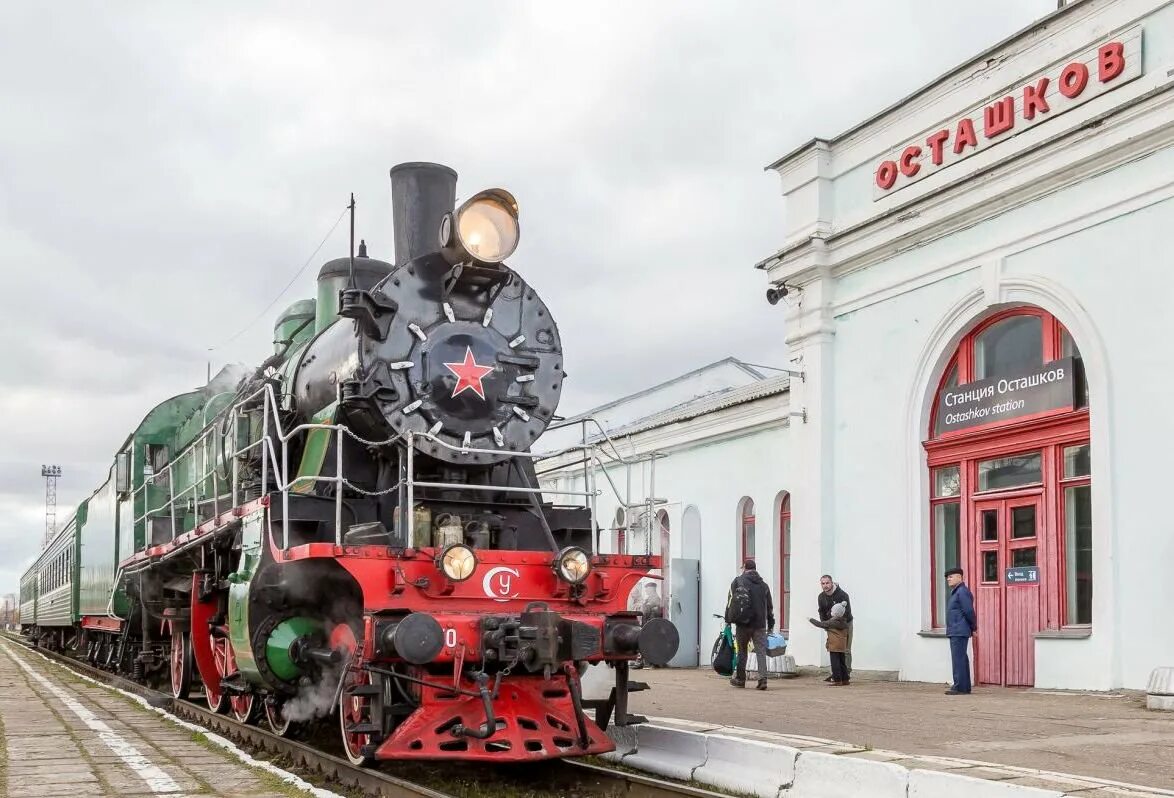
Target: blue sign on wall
x=1023, y=575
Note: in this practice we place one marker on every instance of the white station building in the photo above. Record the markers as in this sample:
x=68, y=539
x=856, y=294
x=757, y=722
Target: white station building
x=710, y=448
x=975, y=291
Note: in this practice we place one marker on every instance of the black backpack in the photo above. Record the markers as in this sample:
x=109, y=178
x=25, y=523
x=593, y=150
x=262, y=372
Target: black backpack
x=723, y=657
x=741, y=604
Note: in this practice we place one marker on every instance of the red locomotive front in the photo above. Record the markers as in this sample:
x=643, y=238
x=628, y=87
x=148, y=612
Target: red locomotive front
x=475, y=654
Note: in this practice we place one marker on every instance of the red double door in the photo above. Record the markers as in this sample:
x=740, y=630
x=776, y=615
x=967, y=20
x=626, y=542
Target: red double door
x=1006, y=584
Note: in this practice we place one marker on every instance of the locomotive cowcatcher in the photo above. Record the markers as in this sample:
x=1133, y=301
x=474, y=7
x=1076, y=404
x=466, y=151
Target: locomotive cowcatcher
x=354, y=529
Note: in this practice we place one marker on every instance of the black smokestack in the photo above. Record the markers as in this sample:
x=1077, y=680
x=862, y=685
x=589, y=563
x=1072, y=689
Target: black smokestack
x=421, y=194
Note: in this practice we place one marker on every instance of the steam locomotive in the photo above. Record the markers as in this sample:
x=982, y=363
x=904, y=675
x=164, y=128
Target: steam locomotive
x=354, y=528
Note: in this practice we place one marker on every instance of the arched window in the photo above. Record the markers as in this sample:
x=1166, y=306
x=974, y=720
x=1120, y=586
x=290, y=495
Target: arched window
x=1014, y=343
x=1010, y=486
x=1009, y=346
x=620, y=531
x=784, y=560
x=746, y=527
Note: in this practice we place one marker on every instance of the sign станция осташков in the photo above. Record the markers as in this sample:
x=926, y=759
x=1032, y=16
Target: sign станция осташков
x=1049, y=387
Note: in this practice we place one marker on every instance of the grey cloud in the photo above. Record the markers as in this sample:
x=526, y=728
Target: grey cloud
x=165, y=168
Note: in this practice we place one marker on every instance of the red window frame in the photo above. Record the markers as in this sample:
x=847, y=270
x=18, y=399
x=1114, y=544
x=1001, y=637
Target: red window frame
x=963, y=361
x=934, y=502
x=784, y=561
x=746, y=513
x=1049, y=432
x=1063, y=484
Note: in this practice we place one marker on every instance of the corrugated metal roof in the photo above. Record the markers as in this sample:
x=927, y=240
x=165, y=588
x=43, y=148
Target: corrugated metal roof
x=726, y=361
x=710, y=403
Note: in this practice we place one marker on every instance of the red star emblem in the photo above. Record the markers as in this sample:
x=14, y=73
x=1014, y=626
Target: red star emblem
x=469, y=375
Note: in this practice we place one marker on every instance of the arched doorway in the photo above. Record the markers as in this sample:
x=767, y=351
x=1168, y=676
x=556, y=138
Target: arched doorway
x=1008, y=454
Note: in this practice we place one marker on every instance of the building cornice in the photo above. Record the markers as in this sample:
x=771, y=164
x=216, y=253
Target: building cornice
x=1022, y=175
x=1049, y=27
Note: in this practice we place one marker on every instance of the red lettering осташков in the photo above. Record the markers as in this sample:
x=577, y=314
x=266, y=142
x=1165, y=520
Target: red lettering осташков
x=999, y=116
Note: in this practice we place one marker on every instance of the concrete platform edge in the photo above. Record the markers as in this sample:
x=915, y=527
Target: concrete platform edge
x=772, y=765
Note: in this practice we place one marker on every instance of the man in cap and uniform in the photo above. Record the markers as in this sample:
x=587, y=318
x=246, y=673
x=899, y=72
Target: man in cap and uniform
x=961, y=624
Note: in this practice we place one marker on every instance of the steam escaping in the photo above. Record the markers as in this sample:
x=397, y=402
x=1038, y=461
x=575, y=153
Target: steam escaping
x=326, y=604
x=315, y=698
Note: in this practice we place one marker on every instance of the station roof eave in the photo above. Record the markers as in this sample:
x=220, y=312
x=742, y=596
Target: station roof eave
x=595, y=411
x=704, y=405
x=701, y=406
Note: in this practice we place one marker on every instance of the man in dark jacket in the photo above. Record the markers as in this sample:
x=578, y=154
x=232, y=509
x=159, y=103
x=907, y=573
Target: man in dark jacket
x=751, y=595
x=961, y=624
x=831, y=594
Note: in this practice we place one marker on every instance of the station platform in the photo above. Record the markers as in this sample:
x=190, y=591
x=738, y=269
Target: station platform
x=1105, y=736
x=62, y=736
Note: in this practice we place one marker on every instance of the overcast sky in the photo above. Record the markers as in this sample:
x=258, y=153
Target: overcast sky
x=166, y=168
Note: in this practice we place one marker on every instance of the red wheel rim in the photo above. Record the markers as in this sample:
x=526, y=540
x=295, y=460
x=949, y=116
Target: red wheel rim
x=222, y=655
x=181, y=675
x=243, y=707
x=353, y=710
x=278, y=723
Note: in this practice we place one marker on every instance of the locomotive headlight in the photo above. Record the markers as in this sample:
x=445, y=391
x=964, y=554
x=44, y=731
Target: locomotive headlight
x=573, y=565
x=458, y=562
x=484, y=229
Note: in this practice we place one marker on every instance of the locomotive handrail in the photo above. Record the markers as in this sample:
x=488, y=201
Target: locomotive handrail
x=592, y=459
x=202, y=476
x=502, y=488
x=272, y=432
x=583, y=420
x=499, y=452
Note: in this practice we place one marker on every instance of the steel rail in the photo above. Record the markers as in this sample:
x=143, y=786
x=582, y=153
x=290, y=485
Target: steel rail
x=641, y=785
x=303, y=756
x=373, y=782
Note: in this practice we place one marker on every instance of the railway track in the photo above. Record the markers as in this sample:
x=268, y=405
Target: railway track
x=563, y=777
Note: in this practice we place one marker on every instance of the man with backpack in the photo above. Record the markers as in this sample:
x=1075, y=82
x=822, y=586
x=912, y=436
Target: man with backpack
x=750, y=609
